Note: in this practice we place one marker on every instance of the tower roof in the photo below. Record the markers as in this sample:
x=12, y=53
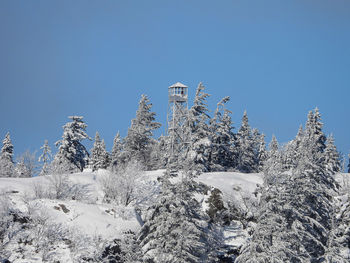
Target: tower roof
x=178, y=85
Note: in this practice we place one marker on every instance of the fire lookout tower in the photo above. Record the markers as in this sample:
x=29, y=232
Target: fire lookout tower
x=176, y=116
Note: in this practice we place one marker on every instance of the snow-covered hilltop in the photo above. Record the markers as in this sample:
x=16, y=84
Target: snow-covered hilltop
x=211, y=194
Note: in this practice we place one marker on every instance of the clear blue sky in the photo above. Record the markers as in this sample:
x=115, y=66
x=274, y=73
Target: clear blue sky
x=276, y=59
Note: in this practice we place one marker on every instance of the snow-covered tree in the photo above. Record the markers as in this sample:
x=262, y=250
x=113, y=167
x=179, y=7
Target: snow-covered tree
x=139, y=139
x=72, y=154
x=26, y=165
x=290, y=151
x=160, y=153
x=124, y=185
x=332, y=156
x=313, y=140
x=199, y=151
x=99, y=158
x=174, y=231
x=223, y=138
x=262, y=154
x=295, y=215
x=245, y=147
x=45, y=158
x=295, y=220
x=273, y=164
x=6, y=158
x=116, y=152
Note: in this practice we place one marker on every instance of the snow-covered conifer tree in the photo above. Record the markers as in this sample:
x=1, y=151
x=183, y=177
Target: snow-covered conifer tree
x=160, y=153
x=332, y=156
x=199, y=152
x=313, y=140
x=116, y=152
x=72, y=154
x=139, y=139
x=99, y=156
x=45, y=158
x=273, y=164
x=6, y=158
x=245, y=147
x=262, y=153
x=295, y=215
x=174, y=232
x=223, y=138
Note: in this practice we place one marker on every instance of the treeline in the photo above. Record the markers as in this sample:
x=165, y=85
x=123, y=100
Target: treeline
x=210, y=145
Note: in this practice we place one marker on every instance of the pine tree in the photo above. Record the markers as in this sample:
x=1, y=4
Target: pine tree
x=116, y=152
x=245, y=147
x=72, y=154
x=222, y=156
x=45, y=158
x=138, y=141
x=332, y=157
x=99, y=158
x=6, y=158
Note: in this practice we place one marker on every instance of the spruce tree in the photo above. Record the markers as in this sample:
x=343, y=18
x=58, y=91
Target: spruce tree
x=199, y=152
x=262, y=153
x=223, y=138
x=116, y=152
x=99, y=158
x=272, y=165
x=332, y=157
x=45, y=158
x=245, y=147
x=174, y=231
x=6, y=158
x=138, y=141
x=72, y=155
x=295, y=215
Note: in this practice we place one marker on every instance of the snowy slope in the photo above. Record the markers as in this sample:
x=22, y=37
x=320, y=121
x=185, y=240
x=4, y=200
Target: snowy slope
x=93, y=217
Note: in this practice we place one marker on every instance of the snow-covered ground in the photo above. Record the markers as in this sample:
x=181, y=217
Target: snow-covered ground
x=94, y=217
x=108, y=220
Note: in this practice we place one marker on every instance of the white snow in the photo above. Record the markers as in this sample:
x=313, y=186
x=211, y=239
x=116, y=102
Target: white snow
x=231, y=183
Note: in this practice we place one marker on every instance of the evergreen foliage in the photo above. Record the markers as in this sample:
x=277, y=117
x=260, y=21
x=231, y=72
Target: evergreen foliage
x=45, y=158
x=296, y=210
x=199, y=151
x=6, y=158
x=139, y=141
x=72, y=154
x=223, y=138
x=99, y=158
x=332, y=157
x=262, y=153
x=245, y=147
x=116, y=152
x=174, y=232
